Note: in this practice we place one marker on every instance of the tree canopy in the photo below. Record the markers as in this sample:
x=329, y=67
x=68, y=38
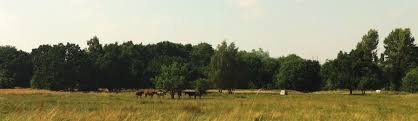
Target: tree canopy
x=296, y=73
x=172, y=77
x=224, y=66
x=173, y=66
x=399, y=55
x=355, y=70
x=15, y=67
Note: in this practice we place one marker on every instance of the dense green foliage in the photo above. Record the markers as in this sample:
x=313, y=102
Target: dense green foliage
x=201, y=85
x=224, y=67
x=15, y=67
x=298, y=74
x=59, y=67
x=257, y=68
x=119, y=66
x=399, y=56
x=410, y=81
x=361, y=68
x=171, y=78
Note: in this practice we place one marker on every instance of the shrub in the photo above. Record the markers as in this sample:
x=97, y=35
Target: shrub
x=201, y=85
x=41, y=84
x=298, y=74
x=410, y=81
x=6, y=82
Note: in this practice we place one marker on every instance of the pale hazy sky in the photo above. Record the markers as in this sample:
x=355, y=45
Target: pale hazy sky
x=313, y=29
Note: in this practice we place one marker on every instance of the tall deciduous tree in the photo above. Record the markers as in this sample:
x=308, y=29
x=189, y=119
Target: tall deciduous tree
x=399, y=55
x=257, y=69
x=59, y=67
x=357, y=69
x=224, y=66
x=298, y=74
x=15, y=67
x=345, y=69
x=172, y=77
x=329, y=75
x=114, y=67
x=366, y=61
x=94, y=52
x=339, y=73
x=134, y=54
x=164, y=53
x=199, y=60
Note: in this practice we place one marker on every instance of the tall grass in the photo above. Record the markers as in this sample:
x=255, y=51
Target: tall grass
x=215, y=107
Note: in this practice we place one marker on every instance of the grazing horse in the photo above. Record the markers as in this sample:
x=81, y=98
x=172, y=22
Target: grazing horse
x=179, y=91
x=150, y=92
x=139, y=93
x=161, y=93
x=147, y=92
x=194, y=93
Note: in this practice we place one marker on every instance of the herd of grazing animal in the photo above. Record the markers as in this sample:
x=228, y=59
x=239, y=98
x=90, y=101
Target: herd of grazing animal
x=162, y=93
x=150, y=92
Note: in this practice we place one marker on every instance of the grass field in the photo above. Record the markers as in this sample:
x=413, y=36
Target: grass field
x=39, y=105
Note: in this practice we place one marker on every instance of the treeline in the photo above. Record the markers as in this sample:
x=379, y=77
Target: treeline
x=174, y=66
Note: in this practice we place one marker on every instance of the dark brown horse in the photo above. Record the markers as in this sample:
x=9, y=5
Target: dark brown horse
x=194, y=93
x=139, y=93
x=147, y=92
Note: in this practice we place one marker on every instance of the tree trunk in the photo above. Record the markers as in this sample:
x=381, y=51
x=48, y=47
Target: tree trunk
x=351, y=91
x=172, y=93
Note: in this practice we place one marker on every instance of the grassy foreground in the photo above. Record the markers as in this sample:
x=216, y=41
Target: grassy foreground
x=39, y=105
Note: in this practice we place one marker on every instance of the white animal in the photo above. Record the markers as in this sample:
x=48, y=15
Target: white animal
x=378, y=91
x=283, y=92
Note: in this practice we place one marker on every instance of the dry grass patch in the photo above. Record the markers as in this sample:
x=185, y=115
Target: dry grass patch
x=50, y=106
x=28, y=91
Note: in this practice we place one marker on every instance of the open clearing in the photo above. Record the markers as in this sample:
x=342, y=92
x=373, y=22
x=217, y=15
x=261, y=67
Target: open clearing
x=39, y=105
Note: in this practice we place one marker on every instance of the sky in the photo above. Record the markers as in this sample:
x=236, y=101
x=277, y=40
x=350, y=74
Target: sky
x=312, y=29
